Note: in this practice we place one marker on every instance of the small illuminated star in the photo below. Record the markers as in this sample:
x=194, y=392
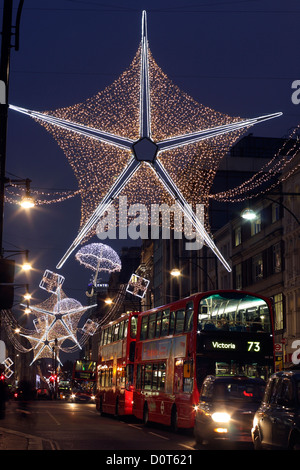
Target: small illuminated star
x=54, y=325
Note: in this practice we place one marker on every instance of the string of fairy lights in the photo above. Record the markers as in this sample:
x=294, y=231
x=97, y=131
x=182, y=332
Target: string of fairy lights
x=239, y=193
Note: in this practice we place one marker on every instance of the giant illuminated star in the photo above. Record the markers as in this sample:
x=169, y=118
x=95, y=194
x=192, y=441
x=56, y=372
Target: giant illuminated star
x=147, y=150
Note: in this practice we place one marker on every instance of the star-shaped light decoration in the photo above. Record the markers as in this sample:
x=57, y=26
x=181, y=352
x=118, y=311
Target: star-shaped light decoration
x=144, y=136
x=56, y=321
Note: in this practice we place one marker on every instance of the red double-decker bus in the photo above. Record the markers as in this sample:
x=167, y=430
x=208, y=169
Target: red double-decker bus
x=115, y=366
x=178, y=345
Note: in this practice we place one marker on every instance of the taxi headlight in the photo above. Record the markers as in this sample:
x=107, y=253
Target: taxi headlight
x=220, y=417
x=255, y=423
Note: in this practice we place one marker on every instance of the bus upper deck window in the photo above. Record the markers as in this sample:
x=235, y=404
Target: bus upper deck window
x=133, y=327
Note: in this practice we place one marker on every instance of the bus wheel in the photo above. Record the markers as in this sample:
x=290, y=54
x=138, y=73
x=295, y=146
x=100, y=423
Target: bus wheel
x=145, y=414
x=174, y=419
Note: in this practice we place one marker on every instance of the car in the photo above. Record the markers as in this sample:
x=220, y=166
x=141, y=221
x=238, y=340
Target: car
x=276, y=423
x=82, y=397
x=42, y=394
x=226, y=408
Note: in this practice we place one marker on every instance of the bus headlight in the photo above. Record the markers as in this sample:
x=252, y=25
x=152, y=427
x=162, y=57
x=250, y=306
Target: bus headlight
x=220, y=417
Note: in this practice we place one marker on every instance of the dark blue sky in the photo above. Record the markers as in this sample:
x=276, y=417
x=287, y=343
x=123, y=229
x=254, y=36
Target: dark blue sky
x=238, y=57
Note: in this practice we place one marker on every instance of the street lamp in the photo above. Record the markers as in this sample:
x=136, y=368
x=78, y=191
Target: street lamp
x=248, y=214
x=26, y=266
x=27, y=201
x=175, y=272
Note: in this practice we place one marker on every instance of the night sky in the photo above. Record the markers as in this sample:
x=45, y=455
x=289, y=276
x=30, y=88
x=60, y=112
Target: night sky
x=237, y=57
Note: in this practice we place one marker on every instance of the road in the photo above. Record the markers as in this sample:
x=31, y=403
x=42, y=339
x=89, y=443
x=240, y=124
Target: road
x=77, y=426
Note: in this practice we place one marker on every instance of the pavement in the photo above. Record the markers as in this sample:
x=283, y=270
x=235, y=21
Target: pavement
x=14, y=440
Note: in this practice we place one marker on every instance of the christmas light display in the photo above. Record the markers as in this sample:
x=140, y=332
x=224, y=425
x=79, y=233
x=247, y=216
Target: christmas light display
x=137, y=286
x=143, y=129
x=51, y=281
x=99, y=257
x=56, y=321
x=8, y=372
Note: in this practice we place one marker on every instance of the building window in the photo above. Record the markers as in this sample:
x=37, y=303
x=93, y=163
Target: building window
x=278, y=312
x=238, y=276
x=257, y=268
x=275, y=212
x=238, y=236
x=277, y=258
x=256, y=225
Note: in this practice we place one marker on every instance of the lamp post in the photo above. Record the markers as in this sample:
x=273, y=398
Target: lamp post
x=249, y=214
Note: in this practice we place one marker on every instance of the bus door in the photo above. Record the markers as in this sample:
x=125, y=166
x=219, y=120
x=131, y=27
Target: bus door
x=183, y=387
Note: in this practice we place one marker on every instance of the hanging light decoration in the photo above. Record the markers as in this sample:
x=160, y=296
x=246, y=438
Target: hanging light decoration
x=99, y=257
x=144, y=138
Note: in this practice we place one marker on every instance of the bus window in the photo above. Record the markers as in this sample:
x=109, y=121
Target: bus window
x=155, y=377
x=148, y=377
x=110, y=377
x=161, y=376
x=144, y=327
x=125, y=328
x=138, y=377
x=165, y=322
x=189, y=312
x=115, y=335
x=172, y=323
x=242, y=312
x=133, y=327
x=104, y=333
x=158, y=324
x=152, y=324
x=180, y=314
x=109, y=335
x=121, y=331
